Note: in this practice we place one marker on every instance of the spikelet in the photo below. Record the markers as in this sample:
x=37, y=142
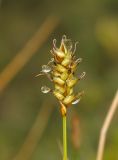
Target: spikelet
x=61, y=71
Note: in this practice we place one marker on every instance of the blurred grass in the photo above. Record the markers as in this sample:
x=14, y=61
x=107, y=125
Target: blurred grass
x=35, y=133
x=23, y=56
x=94, y=25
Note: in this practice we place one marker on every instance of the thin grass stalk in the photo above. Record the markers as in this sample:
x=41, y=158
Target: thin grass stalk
x=61, y=71
x=64, y=138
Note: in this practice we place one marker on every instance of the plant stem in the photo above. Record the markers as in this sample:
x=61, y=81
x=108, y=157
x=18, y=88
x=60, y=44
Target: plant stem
x=64, y=138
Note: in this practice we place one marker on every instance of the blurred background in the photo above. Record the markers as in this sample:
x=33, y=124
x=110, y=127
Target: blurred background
x=30, y=122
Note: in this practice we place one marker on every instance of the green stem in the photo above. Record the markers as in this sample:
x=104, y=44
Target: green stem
x=64, y=139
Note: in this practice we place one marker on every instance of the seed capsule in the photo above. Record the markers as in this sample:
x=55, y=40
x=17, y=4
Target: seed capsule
x=71, y=82
x=60, y=88
x=56, y=73
x=67, y=60
x=60, y=68
x=75, y=63
x=69, y=91
x=64, y=76
x=68, y=100
x=59, y=53
x=58, y=81
x=58, y=95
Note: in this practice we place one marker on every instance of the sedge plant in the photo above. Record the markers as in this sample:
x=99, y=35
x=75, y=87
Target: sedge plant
x=61, y=71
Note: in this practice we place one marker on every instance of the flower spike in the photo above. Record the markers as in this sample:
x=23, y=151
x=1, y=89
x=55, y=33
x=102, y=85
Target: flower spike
x=61, y=71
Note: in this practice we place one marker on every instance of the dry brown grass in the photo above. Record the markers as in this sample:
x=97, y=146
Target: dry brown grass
x=105, y=127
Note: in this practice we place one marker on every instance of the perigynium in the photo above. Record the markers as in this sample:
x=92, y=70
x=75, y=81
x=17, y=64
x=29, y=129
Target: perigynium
x=61, y=70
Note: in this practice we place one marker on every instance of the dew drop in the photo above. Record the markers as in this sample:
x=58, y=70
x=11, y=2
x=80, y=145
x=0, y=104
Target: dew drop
x=46, y=68
x=76, y=101
x=45, y=89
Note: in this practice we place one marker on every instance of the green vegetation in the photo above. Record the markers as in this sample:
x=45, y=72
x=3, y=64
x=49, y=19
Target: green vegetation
x=94, y=24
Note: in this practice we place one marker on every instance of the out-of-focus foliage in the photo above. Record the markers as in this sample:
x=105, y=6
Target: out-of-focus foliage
x=95, y=25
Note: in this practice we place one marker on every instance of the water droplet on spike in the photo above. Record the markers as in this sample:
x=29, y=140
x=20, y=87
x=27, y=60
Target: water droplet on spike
x=45, y=89
x=46, y=68
x=76, y=101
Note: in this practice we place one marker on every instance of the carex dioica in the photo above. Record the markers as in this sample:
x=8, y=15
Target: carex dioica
x=61, y=70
